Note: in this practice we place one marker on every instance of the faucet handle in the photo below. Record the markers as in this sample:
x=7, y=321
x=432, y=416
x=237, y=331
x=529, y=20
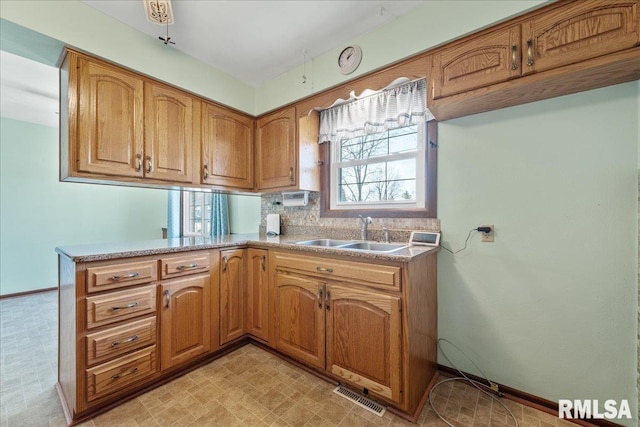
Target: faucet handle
x=366, y=220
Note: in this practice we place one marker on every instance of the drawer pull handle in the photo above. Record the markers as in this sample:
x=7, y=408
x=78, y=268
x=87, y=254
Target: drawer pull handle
x=184, y=267
x=264, y=261
x=133, y=304
x=514, y=59
x=529, y=52
x=324, y=270
x=125, y=276
x=117, y=343
x=118, y=376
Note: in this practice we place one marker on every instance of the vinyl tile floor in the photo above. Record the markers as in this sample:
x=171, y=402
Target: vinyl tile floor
x=249, y=387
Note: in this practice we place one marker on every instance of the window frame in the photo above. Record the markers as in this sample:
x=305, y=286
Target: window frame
x=430, y=196
x=185, y=210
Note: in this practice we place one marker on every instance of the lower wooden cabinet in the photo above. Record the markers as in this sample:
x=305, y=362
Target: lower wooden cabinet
x=299, y=303
x=257, y=304
x=232, y=294
x=185, y=312
x=364, y=339
x=359, y=322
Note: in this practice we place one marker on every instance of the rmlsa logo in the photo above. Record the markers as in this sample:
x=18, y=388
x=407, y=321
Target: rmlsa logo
x=586, y=409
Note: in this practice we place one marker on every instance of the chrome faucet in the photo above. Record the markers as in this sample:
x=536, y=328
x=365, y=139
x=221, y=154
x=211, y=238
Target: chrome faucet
x=385, y=232
x=363, y=227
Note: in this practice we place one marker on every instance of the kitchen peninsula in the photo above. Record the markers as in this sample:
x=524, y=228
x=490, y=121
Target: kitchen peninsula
x=138, y=314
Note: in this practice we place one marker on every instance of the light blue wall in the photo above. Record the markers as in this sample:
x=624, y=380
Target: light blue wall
x=244, y=214
x=549, y=308
x=38, y=213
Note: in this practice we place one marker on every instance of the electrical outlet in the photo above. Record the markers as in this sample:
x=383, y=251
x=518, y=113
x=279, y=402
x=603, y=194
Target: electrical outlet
x=487, y=237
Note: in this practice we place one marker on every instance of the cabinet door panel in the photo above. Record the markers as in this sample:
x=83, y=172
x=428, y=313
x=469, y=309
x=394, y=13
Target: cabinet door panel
x=257, y=294
x=227, y=148
x=168, y=133
x=185, y=318
x=300, y=318
x=232, y=294
x=353, y=318
x=110, y=120
x=580, y=31
x=483, y=61
x=276, y=150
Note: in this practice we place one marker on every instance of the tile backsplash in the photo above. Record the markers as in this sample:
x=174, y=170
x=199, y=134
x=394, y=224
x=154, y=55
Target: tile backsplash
x=307, y=220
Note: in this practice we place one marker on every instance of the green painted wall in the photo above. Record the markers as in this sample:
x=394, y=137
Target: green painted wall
x=429, y=25
x=244, y=214
x=549, y=308
x=78, y=25
x=39, y=213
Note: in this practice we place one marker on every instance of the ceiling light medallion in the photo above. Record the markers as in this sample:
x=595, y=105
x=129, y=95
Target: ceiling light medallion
x=159, y=11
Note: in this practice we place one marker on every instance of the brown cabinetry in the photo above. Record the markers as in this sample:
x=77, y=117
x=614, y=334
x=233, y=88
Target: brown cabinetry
x=227, y=148
x=169, y=134
x=120, y=125
x=287, y=151
x=105, y=118
x=329, y=316
x=232, y=294
x=568, y=47
x=185, y=319
x=257, y=306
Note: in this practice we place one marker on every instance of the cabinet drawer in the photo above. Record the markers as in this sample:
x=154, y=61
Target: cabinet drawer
x=117, y=374
x=107, y=277
x=184, y=264
x=120, y=340
x=384, y=276
x=116, y=306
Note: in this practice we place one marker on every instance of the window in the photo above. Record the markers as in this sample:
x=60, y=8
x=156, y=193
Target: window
x=379, y=152
x=391, y=174
x=196, y=213
x=381, y=170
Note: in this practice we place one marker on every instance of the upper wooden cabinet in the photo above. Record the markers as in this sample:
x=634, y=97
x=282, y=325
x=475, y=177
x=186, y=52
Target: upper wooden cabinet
x=568, y=47
x=287, y=151
x=168, y=142
x=485, y=60
x=118, y=124
x=580, y=31
x=227, y=148
x=106, y=119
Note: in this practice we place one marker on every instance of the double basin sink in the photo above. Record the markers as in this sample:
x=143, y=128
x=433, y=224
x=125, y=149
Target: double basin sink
x=355, y=245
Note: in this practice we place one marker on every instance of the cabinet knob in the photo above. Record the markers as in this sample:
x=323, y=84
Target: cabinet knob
x=205, y=171
x=138, y=162
x=514, y=57
x=149, y=166
x=225, y=262
x=167, y=298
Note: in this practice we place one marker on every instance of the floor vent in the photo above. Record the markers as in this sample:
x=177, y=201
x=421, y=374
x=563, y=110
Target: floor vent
x=360, y=400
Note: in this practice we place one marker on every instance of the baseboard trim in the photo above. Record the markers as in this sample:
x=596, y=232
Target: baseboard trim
x=530, y=400
x=24, y=294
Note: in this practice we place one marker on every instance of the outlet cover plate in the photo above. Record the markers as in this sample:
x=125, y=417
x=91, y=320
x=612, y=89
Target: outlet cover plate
x=487, y=237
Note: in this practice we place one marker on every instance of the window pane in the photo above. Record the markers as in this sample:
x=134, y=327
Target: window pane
x=394, y=141
x=385, y=181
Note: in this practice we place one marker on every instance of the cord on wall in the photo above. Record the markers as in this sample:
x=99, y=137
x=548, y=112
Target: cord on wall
x=478, y=229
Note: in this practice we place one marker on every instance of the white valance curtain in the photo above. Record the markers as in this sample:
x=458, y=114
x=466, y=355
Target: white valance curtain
x=403, y=103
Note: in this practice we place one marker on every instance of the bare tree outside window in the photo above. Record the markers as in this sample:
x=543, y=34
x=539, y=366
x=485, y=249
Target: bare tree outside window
x=378, y=167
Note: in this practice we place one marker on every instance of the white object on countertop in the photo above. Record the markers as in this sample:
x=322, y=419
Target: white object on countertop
x=273, y=224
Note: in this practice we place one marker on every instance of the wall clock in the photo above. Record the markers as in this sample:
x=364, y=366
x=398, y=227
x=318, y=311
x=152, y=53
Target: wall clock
x=349, y=59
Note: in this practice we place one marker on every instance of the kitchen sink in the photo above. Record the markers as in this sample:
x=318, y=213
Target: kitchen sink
x=351, y=245
x=324, y=242
x=374, y=246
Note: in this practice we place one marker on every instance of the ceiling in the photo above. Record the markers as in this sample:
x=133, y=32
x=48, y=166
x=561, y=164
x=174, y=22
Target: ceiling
x=255, y=41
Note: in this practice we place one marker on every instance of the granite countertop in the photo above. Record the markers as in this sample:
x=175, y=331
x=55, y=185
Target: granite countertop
x=106, y=251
